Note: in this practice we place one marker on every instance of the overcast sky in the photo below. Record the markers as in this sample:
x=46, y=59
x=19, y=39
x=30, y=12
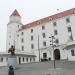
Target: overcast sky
x=30, y=10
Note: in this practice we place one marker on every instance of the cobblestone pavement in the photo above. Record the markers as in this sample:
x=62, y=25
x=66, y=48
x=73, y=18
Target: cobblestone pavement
x=43, y=68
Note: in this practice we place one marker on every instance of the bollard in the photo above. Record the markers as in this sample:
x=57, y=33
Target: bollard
x=11, y=70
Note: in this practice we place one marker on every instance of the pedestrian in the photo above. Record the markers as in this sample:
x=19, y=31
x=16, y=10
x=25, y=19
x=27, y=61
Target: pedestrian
x=11, y=70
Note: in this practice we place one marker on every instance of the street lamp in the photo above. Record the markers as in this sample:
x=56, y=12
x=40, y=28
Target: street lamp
x=52, y=43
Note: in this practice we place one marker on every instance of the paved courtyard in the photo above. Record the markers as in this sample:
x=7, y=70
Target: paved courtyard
x=43, y=68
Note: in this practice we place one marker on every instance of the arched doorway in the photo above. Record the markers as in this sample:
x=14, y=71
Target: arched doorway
x=57, y=54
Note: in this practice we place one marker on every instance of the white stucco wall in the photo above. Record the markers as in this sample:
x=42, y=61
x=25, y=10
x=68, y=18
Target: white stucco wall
x=4, y=62
x=62, y=36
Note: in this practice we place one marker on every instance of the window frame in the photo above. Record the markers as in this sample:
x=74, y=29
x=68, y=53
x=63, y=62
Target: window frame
x=31, y=37
x=54, y=23
x=72, y=52
x=22, y=40
x=32, y=46
x=43, y=27
x=31, y=30
x=55, y=32
x=69, y=28
x=22, y=33
x=44, y=43
x=22, y=47
x=44, y=35
x=68, y=20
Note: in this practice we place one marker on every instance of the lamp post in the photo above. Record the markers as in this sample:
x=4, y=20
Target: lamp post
x=52, y=43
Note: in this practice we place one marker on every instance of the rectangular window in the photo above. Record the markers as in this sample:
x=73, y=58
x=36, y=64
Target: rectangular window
x=22, y=33
x=56, y=41
x=22, y=48
x=27, y=59
x=43, y=27
x=72, y=52
x=43, y=35
x=17, y=35
x=44, y=55
x=31, y=30
x=55, y=32
x=1, y=59
x=54, y=23
x=22, y=40
x=44, y=43
x=32, y=46
x=67, y=20
x=23, y=59
x=31, y=37
x=34, y=59
x=69, y=29
x=30, y=59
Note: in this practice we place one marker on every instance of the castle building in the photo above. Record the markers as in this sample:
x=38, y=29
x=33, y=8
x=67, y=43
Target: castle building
x=46, y=39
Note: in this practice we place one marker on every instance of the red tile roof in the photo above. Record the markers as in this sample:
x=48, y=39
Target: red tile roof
x=53, y=17
x=15, y=13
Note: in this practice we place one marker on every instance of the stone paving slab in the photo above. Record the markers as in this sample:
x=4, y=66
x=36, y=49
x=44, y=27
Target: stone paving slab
x=44, y=72
x=42, y=69
x=56, y=71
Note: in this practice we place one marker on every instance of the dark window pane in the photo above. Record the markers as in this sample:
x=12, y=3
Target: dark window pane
x=34, y=59
x=44, y=55
x=56, y=41
x=22, y=33
x=43, y=35
x=67, y=20
x=22, y=40
x=43, y=27
x=72, y=52
x=30, y=59
x=23, y=59
x=54, y=24
x=27, y=59
x=44, y=43
x=17, y=35
x=55, y=32
x=69, y=29
x=1, y=59
x=22, y=48
x=32, y=46
x=31, y=30
x=31, y=37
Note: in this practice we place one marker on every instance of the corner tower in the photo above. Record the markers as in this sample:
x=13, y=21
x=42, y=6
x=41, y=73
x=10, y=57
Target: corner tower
x=12, y=29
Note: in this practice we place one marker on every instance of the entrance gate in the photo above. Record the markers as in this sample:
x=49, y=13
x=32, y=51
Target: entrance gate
x=57, y=54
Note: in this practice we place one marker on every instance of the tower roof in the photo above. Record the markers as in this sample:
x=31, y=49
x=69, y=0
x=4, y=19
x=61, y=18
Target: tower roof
x=15, y=13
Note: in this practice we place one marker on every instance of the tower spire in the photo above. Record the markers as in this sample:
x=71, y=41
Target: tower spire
x=15, y=13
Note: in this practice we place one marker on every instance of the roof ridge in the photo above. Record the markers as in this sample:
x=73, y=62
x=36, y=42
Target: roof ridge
x=52, y=17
